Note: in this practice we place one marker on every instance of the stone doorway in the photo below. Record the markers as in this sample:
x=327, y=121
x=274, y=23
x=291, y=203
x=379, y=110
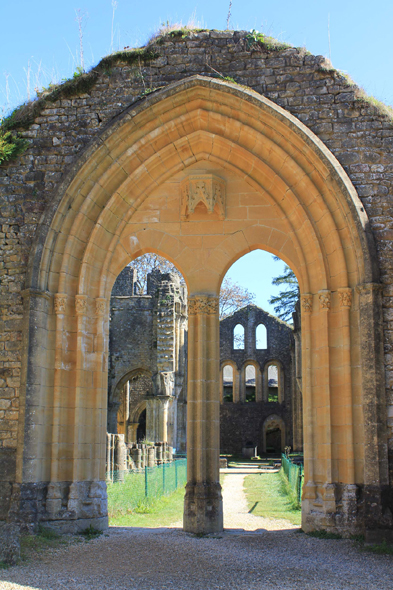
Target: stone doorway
x=201, y=173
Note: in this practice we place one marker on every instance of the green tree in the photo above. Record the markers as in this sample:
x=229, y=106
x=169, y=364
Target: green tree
x=284, y=303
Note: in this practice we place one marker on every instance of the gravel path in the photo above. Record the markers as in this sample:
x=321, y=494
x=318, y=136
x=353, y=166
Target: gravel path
x=273, y=557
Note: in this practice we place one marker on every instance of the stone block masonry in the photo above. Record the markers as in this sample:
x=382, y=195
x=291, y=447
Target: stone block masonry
x=99, y=185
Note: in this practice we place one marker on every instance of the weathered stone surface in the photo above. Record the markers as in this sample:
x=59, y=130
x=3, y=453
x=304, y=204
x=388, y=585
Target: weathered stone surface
x=86, y=194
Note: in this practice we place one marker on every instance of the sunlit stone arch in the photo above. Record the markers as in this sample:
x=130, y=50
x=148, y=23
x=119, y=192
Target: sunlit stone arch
x=285, y=193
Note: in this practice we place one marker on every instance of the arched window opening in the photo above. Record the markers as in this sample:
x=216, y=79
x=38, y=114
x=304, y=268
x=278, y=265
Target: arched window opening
x=227, y=377
x=238, y=337
x=141, y=430
x=272, y=377
x=261, y=337
x=250, y=383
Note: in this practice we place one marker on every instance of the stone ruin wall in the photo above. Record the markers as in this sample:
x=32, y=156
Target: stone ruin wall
x=243, y=422
x=146, y=336
x=357, y=133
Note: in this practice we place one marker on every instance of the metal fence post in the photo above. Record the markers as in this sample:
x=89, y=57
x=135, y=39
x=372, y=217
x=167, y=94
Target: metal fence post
x=163, y=478
x=300, y=483
x=175, y=475
x=146, y=484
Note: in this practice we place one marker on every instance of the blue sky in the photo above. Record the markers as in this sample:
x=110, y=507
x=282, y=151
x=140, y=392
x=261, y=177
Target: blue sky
x=44, y=34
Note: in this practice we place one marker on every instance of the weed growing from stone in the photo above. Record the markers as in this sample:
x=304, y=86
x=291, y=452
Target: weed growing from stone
x=258, y=41
x=91, y=533
x=11, y=145
x=383, y=548
x=324, y=535
x=4, y=565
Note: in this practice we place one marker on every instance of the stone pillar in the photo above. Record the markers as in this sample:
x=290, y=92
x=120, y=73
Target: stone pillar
x=376, y=474
x=235, y=386
x=242, y=385
x=258, y=384
x=132, y=428
x=309, y=487
x=203, y=499
x=157, y=418
x=151, y=456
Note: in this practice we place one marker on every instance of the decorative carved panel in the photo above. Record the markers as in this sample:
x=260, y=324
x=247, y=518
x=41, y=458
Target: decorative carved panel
x=60, y=303
x=306, y=301
x=81, y=304
x=100, y=306
x=203, y=188
x=325, y=300
x=203, y=304
x=345, y=296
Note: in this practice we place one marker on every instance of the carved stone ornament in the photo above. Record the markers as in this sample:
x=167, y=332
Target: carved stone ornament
x=306, y=301
x=345, y=297
x=203, y=188
x=325, y=300
x=80, y=304
x=60, y=303
x=203, y=304
x=100, y=306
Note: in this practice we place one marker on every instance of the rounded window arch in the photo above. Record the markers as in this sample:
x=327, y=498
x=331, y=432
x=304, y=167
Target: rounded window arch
x=261, y=337
x=273, y=382
x=250, y=383
x=227, y=383
x=238, y=337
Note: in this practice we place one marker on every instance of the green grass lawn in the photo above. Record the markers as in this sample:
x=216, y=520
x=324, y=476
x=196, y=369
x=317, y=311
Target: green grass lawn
x=159, y=512
x=266, y=496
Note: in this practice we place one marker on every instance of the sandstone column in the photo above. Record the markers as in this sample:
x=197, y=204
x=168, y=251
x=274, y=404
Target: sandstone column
x=203, y=500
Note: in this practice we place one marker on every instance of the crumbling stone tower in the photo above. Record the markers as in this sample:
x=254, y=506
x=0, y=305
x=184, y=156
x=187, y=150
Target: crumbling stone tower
x=148, y=359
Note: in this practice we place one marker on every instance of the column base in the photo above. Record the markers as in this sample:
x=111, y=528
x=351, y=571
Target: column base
x=349, y=509
x=68, y=507
x=203, y=508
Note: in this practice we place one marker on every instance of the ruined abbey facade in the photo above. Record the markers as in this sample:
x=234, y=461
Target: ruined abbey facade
x=148, y=360
x=157, y=150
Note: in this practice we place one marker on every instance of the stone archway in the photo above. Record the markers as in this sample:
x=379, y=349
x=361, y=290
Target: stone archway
x=126, y=402
x=203, y=172
x=273, y=422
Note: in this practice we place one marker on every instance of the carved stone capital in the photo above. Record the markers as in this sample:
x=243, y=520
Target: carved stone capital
x=60, y=303
x=203, y=188
x=101, y=306
x=306, y=302
x=345, y=297
x=81, y=304
x=324, y=300
x=198, y=304
x=369, y=288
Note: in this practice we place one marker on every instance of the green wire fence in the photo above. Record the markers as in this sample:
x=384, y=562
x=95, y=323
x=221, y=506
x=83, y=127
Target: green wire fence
x=129, y=489
x=294, y=473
